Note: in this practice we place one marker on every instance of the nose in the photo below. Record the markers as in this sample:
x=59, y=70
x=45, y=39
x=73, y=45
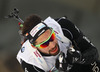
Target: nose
x=52, y=45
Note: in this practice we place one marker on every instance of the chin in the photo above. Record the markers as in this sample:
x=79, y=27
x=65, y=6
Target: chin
x=54, y=54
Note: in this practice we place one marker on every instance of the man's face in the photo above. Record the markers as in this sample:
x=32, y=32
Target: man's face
x=52, y=48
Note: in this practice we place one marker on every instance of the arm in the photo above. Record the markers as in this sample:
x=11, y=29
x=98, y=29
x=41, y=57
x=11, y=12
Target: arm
x=80, y=42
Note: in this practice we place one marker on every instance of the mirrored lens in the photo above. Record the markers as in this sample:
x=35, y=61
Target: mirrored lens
x=47, y=43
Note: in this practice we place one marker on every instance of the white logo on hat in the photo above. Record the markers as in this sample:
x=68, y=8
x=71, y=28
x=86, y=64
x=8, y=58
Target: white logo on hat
x=36, y=29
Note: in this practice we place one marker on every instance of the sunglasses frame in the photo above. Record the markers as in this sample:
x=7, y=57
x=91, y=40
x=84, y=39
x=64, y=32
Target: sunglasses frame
x=45, y=40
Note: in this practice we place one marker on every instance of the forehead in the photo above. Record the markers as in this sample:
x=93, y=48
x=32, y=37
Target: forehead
x=43, y=37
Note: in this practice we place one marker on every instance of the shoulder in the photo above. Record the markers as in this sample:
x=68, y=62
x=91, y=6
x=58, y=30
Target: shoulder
x=69, y=28
x=26, y=54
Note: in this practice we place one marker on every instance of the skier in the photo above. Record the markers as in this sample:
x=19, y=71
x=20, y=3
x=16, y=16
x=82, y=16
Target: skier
x=56, y=45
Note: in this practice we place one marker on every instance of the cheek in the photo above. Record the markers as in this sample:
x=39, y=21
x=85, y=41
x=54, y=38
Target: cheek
x=55, y=40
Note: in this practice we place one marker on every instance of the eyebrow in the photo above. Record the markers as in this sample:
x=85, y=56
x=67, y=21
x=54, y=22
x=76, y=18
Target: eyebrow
x=47, y=38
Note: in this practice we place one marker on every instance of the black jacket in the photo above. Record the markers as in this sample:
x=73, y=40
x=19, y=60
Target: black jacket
x=81, y=43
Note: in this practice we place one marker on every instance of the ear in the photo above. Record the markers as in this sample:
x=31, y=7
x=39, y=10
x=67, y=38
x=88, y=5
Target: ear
x=33, y=46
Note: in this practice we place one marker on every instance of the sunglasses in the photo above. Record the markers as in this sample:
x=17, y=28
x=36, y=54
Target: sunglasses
x=45, y=43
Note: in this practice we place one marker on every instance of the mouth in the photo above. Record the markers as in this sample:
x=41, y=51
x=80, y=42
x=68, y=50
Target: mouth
x=54, y=50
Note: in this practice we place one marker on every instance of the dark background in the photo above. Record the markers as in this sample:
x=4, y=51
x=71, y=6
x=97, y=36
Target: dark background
x=84, y=13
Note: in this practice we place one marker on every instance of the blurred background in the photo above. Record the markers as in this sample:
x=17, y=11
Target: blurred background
x=84, y=13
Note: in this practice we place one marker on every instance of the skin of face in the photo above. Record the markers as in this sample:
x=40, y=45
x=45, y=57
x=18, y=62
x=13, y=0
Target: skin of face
x=52, y=48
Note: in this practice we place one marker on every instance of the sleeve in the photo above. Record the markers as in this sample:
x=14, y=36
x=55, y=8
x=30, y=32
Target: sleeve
x=79, y=40
x=30, y=68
